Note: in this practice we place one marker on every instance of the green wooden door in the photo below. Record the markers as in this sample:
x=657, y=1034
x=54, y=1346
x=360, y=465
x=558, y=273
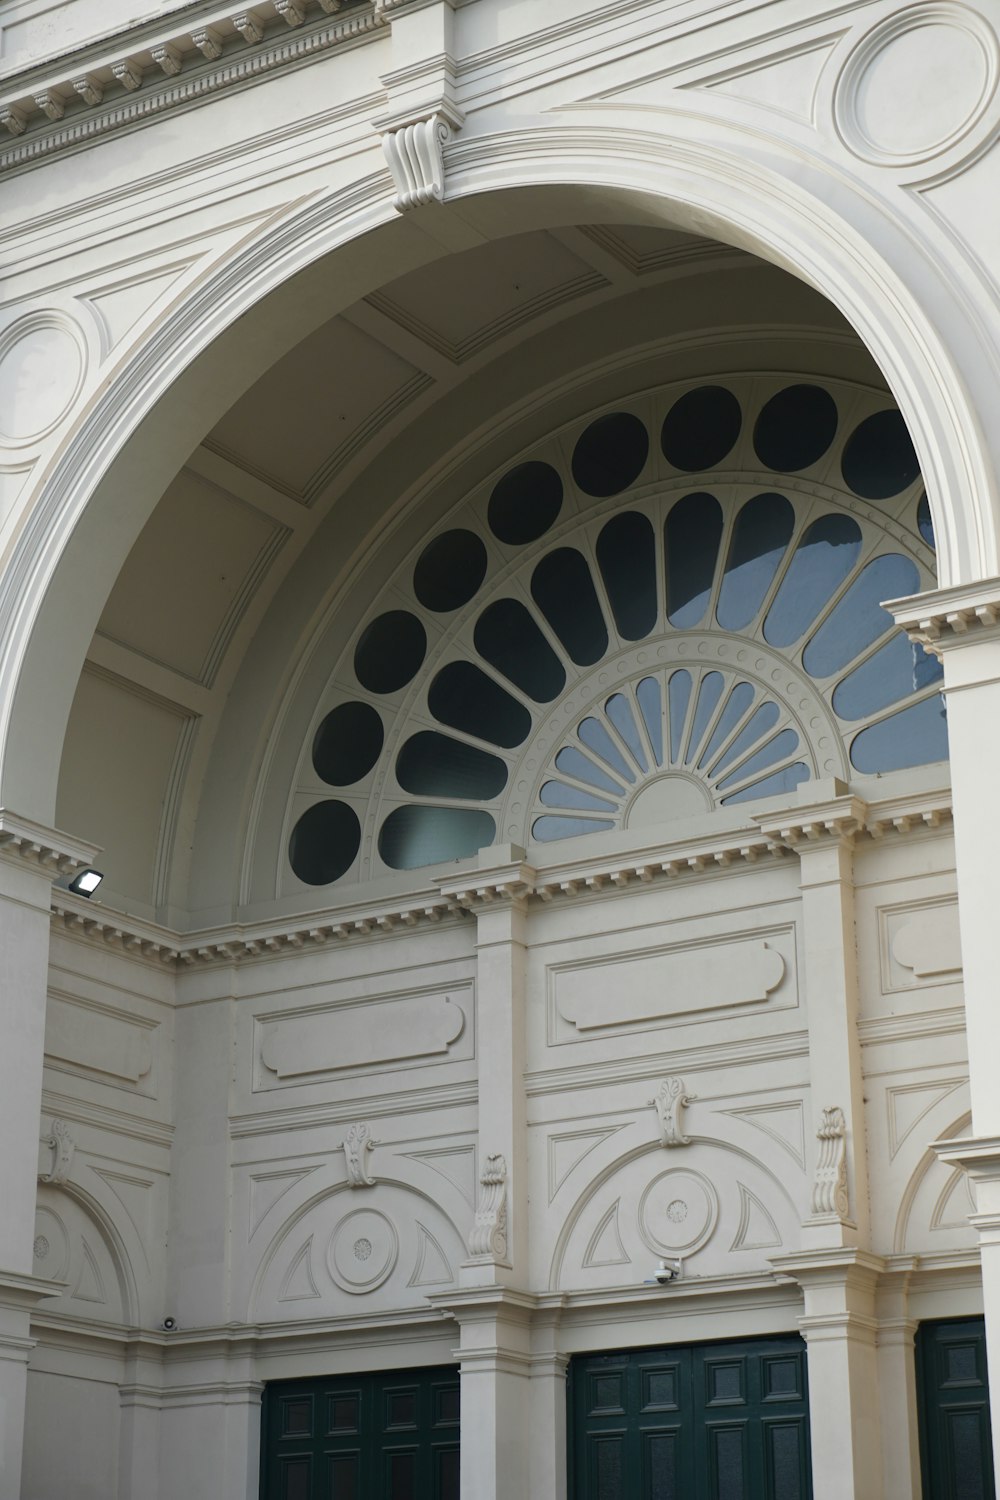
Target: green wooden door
x=955, y=1442
x=706, y=1422
x=367, y=1437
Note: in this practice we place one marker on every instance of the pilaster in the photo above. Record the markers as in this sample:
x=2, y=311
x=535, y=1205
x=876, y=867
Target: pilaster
x=897, y=1380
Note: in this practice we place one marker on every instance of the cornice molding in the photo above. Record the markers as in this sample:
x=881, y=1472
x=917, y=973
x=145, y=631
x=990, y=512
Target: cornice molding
x=25, y=841
x=946, y=618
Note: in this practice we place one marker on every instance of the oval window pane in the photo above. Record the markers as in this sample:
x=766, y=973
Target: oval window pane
x=782, y=782
x=610, y=454
x=826, y=554
x=916, y=736
x=551, y=826
x=412, y=837
x=879, y=458
x=324, y=842
x=558, y=794
x=390, y=651
x=435, y=765
x=858, y=620
x=524, y=503
x=651, y=708
x=896, y=670
x=762, y=531
x=678, y=698
x=627, y=558
x=347, y=743
x=619, y=711
x=701, y=428
x=709, y=694
x=596, y=738
x=449, y=570
x=795, y=428
x=508, y=637
x=564, y=591
x=784, y=744
x=692, y=532
x=573, y=762
x=464, y=698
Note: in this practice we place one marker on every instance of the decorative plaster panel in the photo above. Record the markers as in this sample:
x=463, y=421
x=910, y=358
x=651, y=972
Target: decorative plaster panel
x=99, y=1042
x=919, y=945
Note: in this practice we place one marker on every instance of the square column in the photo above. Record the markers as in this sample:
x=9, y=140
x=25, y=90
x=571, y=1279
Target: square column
x=897, y=1381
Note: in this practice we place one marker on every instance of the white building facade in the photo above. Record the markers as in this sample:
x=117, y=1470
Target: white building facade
x=536, y=1033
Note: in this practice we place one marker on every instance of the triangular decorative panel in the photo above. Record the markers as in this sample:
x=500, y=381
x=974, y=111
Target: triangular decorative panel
x=605, y=1247
x=432, y=1268
x=786, y=84
x=299, y=1284
x=908, y=1104
x=265, y=1190
x=955, y=1204
x=89, y=1287
x=757, y=1230
x=782, y=1122
x=117, y=307
x=457, y=1164
x=567, y=1151
x=133, y=1193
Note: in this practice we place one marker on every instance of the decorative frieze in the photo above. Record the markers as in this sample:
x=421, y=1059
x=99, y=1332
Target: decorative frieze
x=670, y=1103
x=358, y=1145
x=829, y=1194
x=943, y=618
x=488, y=1239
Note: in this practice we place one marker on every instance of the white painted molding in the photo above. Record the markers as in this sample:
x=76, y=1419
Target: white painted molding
x=670, y=1102
x=829, y=1194
x=60, y=1144
x=358, y=1144
x=23, y=839
x=950, y=617
x=415, y=156
x=488, y=1239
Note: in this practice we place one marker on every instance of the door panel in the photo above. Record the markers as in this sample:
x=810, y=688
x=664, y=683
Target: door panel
x=955, y=1439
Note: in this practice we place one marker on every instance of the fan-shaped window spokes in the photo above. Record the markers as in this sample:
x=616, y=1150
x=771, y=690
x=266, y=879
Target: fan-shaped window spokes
x=564, y=591
x=781, y=747
x=525, y=503
x=547, y=829
x=795, y=428
x=879, y=460
x=858, y=619
x=701, y=428
x=561, y=794
x=435, y=765
x=692, y=533
x=760, y=723
x=573, y=763
x=595, y=736
x=509, y=638
x=619, y=711
x=737, y=703
x=610, y=454
x=823, y=559
x=464, y=698
x=650, y=701
x=894, y=672
x=709, y=694
x=915, y=736
x=781, y=783
x=418, y=835
x=761, y=534
x=626, y=555
x=679, y=696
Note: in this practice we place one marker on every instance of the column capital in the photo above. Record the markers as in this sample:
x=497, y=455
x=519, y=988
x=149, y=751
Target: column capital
x=943, y=618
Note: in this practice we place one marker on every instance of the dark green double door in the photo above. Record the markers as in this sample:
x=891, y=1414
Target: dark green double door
x=708, y=1422
x=955, y=1438
x=391, y=1436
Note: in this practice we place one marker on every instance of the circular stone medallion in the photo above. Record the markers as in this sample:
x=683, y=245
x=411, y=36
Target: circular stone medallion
x=41, y=368
x=678, y=1212
x=363, y=1251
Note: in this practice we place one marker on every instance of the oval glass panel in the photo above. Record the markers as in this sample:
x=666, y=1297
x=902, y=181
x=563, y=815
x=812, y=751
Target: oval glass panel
x=709, y=693
x=824, y=557
x=324, y=842
x=896, y=670
x=596, y=738
x=761, y=533
x=619, y=711
x=651, y=708
x=558, y=794
x=551, y=826
x=573, y=762
x=610, y=454
x=916, y=736
x=390, y=651
x=701, y=428
x=449, y=570
x=434, y=765
x=464, y=698
x=737, y=704
x=418, y=835
x=795, y=428
x=879, y=458
x=508, y=637
x=347, y=743
x=678, y=698
x=691, y=532
x=564, y=591
x=524, y=503
x=858, y=619
x=626, y=556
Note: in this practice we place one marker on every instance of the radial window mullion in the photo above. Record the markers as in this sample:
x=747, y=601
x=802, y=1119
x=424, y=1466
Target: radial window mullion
x=719, y=753
x=770, y=768
x=622, y=743
x=630, y=692
x=706, y=739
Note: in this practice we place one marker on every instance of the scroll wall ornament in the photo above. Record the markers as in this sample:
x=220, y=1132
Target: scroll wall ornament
x=829, y=1195
x=414, y=153
x=62, y=1145
x=357, y=1145
x=489, y=1231
x=670, y=1104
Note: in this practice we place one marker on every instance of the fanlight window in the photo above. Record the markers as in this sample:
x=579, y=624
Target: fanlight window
x=645, y=632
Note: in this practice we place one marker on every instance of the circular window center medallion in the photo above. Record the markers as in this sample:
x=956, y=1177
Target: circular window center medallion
x=41, y=1247
x=678, y=1212
x=363, y=1251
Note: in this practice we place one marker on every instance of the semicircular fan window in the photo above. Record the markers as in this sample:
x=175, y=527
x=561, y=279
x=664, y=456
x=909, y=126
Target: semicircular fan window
x=645, y=633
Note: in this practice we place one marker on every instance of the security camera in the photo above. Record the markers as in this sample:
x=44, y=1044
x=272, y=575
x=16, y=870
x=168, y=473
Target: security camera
x=168, y=1325
x=665, y=1273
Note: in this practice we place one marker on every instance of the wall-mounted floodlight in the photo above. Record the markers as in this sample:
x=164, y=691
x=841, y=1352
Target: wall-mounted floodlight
x=86, y=882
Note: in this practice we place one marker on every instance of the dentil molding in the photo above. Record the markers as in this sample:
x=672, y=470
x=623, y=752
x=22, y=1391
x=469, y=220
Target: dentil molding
x=955, y=617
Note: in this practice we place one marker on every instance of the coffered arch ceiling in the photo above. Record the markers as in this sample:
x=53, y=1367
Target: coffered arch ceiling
x=265, y=554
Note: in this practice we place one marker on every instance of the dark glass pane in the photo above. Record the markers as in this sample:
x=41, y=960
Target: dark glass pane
x=924, y=523
x=727, y=1444
x=464, y=698
x=524, y=503
x=627, y=558
x=795, y=428
x=508, y=638
x=678, y=698
x=858, y=620
x=402, y=1468
x=619, y=711
x=661, y=1467
x=608, y=1469
x=737, y=703
x=344, y=1413
x=294, y=1478
x=390, y=651
x=324, y=842
x=448, y=1404
x=915, y=736
x=610, y=454
x=700, y=428
x=347, y=743
x=879, y=459
x=574, y=763
x=761, y=721
x=594, y=735
x=435, y=765
x=897, y=669
x=449, y=570
x=824, y=557
x=448, y=1469
x=785, y=780
x=400, y=1408
x=551, y=826
x=762, y=531
x=784, y=744
x=650, y=705
x=344, y=1477
x=709, y=694
x=965, y=1442
x=692, y=533
x=558, y=794
x=786, y=1465
x=296, y=1417
x=564, y=591
x=412, y=837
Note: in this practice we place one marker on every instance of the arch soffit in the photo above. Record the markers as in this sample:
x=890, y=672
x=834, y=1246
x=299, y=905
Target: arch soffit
x=815, y=225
